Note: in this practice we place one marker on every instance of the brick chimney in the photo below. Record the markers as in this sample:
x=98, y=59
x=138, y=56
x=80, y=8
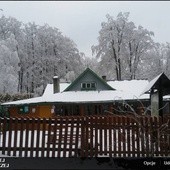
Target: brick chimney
x=56, y=84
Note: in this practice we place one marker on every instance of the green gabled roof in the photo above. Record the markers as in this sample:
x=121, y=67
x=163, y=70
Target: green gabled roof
x=85, y=72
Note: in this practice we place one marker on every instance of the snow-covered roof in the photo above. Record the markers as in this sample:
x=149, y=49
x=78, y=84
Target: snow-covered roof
x=49, y=88
x=80, y=97
x=134, y=87
x=150, y=84
x=125, y=90
x=25, y=101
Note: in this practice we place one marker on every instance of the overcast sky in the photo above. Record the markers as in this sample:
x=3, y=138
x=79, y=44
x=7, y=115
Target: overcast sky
x=81, y=20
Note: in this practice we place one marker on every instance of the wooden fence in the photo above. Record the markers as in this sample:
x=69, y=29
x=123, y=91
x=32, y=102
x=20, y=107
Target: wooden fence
x=86, y=136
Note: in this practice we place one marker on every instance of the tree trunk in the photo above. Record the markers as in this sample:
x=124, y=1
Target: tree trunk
x=119, y=69
x=117, y=62
x=20, y=83
x=33, y=64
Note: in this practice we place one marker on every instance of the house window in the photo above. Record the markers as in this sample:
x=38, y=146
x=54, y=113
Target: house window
x=88, y=86
x=24, y=109
x=93, y=85
x=83, y=86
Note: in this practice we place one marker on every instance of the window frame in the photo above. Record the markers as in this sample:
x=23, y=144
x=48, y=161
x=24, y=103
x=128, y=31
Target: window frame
x=24, y=109
x=88, y=85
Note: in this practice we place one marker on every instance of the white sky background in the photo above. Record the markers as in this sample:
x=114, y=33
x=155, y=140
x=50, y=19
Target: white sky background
x=81, y=20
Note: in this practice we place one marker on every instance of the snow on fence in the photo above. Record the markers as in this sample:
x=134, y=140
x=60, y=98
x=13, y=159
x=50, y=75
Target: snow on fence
x=86, y=136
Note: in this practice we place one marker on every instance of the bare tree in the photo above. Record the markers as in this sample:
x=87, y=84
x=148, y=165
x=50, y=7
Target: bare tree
x=122, y=44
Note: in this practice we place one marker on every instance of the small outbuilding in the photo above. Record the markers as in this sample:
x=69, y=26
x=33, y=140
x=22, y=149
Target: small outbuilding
x=157, y=88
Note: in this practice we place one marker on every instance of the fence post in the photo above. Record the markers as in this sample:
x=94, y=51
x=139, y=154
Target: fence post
x=32, y=137
x=66, y=132
x=128, y=136
x=9, y=137
x=38, y=137
x=49, y=137
x=15, y=135
x=96, y=135
x=44, y=123
x=71, y=136
x=124, y=139
x=26, y=136
x=77, y=137
x=82, y=152
x=21, y=136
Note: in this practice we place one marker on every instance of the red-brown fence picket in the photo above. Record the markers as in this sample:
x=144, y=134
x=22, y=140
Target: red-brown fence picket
x=86, y=136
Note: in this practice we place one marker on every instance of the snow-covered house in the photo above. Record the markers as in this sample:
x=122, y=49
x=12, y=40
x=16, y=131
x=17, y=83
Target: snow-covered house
x=88, y=94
